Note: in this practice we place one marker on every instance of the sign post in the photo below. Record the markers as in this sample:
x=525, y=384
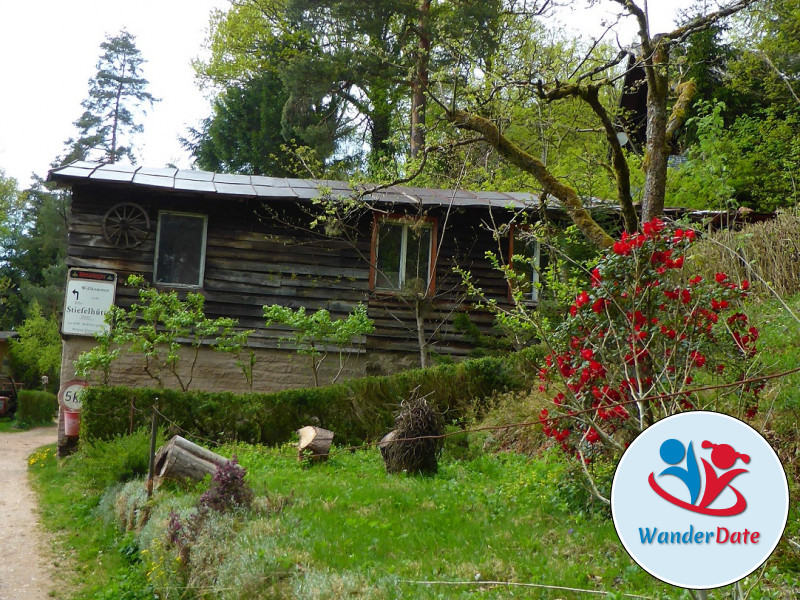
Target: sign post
x=90, y=295
x=69, y=397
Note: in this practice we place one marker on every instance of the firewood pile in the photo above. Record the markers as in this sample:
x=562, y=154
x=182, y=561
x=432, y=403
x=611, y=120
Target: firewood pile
x=413, y=445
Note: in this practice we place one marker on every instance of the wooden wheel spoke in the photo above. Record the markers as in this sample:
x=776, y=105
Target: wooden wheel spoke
x=126, y=225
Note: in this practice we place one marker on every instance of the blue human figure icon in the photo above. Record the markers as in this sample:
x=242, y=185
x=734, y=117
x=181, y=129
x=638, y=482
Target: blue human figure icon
x=672, y=453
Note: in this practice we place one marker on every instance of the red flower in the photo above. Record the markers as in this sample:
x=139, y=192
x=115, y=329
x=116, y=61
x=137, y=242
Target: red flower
x=745, y=284
x=695, y=280
x=599, y=305
x=596, y=278
x=581, y=299
x=622, y=248
x=720, y=277
x=686, y=296
x=587, y=354
x=592, y=436
x=697, y=358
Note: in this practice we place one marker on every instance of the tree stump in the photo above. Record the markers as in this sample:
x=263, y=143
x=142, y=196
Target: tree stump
x=315, y=441
x=181, y=459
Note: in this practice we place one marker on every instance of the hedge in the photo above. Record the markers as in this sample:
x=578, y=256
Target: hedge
x=357, y=410
x=36, y=407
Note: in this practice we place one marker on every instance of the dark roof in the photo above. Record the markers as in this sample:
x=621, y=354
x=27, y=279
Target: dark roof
x=256, y=186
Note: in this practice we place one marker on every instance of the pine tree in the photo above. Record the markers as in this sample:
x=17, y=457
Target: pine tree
x=115, y=93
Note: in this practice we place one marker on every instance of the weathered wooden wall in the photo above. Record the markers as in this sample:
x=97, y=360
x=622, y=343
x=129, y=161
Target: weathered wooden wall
x=257, y=256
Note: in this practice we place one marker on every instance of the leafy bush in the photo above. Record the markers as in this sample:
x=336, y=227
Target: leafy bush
x=357, y=410
x=638, y=337
x=228, y=488
x=36, y=407
x=108, y=462
x=37, y=351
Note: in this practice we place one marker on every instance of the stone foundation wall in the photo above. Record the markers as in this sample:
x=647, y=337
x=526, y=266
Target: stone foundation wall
x=274, y=370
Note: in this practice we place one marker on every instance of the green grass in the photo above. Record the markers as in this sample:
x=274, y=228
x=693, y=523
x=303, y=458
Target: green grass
x=346, y=529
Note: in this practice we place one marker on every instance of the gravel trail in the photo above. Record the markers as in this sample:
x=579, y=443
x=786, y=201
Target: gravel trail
x=25, y=571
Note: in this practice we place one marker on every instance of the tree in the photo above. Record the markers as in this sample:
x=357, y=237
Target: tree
x=243, y=135
x=37, y=351
x=587, y=84
x=315, y=334
x=11, y=208
x=355, y=73
x=167, y=333
x=115, y=93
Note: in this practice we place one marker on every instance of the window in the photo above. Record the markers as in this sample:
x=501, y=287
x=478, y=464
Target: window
x=180, y=249
x=402, y=253
x=530, y=262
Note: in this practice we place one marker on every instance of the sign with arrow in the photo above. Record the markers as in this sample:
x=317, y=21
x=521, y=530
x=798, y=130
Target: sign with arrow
x=90, y=295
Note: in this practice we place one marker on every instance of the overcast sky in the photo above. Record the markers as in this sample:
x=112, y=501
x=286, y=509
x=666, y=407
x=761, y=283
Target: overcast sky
x=49, y=51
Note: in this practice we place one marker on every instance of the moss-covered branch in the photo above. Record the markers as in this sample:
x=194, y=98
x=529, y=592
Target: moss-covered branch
x=528, y=163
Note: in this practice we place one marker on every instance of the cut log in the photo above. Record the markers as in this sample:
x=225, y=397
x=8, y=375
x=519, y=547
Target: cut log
x=385, y=442
x=181, y=459
x=314, y=440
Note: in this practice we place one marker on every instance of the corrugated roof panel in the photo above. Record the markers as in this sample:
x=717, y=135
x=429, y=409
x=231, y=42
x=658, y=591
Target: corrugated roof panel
x=159, y=172
x=305, y=193
x=262, y=180
x=236, y=179
x=75, y=170
x=234, y=189
x=154, y=180
x=302, y=183
x=194, y=185
x=108, y=175
x=85, y=164
x=264, y=191
x=121, y=167
x=192, y=175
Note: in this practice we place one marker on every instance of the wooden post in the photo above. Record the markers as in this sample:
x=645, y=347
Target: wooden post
x=315, y=440
x=151, y=468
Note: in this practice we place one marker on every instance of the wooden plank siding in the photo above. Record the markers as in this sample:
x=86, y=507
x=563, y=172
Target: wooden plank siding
x=253, y=259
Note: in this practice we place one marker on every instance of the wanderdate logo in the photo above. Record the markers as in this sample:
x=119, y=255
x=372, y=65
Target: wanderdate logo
x=723, y=457
x=700, y=500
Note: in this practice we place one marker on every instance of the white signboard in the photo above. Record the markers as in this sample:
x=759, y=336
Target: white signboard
x=69, y=396
x=90, y=294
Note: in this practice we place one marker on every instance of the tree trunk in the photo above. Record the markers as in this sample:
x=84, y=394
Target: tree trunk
x=423, y=345
x=314, y=440
x=655, y=187
x=419, y=85
x=181, y=459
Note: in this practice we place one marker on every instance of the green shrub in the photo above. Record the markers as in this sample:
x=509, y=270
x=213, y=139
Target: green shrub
x=36, y=407
x=357, y=410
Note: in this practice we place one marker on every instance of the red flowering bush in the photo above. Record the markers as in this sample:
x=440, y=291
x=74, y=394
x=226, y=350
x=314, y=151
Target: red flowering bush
x=635, y=340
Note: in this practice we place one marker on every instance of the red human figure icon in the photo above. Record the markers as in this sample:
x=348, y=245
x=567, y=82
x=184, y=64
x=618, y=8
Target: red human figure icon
x=724, y=457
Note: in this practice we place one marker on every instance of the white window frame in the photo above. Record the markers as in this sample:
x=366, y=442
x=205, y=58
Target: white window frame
x=535, y=277
x=202, y=270
x=430, y=225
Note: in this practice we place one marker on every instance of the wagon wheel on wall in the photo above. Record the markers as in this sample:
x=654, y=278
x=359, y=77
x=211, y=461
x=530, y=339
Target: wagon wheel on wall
x=126, y=225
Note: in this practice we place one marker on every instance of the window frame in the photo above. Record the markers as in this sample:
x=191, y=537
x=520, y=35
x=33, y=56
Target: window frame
x=534, y=296
x=203, y=244
x=406, y=221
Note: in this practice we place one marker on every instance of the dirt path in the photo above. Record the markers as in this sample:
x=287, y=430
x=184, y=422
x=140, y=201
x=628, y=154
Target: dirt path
x=24, y=568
